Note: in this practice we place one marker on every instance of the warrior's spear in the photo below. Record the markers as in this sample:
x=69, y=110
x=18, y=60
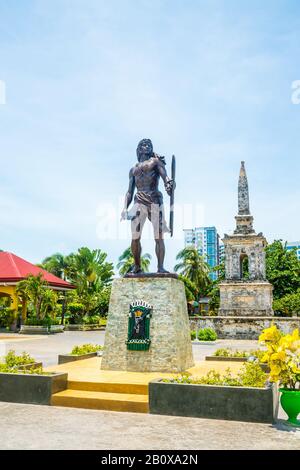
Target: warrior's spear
x=172, y=196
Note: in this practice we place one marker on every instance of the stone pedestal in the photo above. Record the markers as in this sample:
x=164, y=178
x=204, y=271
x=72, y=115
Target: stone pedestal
x=170, y=349
x=246, y=299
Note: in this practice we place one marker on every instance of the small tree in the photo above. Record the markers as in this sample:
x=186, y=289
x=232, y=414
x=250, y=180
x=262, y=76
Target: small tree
x=34, y=291
x=283, y=269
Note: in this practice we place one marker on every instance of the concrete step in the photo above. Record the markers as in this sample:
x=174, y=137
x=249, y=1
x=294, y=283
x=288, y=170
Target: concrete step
x=109, y=387
x=133, y=403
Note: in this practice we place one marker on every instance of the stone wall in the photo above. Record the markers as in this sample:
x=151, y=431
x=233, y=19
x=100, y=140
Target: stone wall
x=243, y=327
x=246, y=298
x=170, y=349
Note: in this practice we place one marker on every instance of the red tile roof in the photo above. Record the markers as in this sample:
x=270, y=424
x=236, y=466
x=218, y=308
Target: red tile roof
x=15, y=269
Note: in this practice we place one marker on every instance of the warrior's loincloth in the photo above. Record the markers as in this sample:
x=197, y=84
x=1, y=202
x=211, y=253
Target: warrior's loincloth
x=148, y=205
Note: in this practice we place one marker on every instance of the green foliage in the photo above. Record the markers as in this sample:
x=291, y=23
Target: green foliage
x=91, y=274
x=13, y=360
x=251, y=375
x=75, y=308
x=207, y=334
x=85, y=349
x=283, y=269
x=193, y=266
x=89, y=270
x=4, y=368
x=41, y=300
x=214, y=301
x=103, y=301
x=258, y=353
x=226, y=352
x=126, y=262
x=193, y=335
x=7, y=316
x=56, y=264
x=214, y=291
x=91, y=320
x=191, y=290
x=46, y=321
x=288, y=305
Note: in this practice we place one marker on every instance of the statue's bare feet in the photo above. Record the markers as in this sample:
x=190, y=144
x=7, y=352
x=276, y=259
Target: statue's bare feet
x=162, y=270
x=137, y=270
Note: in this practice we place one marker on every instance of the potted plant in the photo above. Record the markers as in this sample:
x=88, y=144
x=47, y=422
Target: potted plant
x=283, y=359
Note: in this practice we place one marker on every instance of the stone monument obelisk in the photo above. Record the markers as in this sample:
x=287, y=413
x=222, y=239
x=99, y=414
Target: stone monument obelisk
x=245, y=291
x=148, y=326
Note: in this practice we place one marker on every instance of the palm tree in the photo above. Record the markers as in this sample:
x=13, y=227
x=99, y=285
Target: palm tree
x=191, y=290
x=32, y=290
x=126, y=262
x=90, y=273
x=56, y=264
x=194, y=267
x=48, y=302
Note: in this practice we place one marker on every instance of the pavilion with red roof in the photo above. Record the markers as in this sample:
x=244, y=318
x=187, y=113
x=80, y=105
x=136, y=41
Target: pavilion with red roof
x=14, y=269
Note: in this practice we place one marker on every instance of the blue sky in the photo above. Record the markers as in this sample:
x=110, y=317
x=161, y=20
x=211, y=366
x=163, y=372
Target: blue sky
x=85, y=80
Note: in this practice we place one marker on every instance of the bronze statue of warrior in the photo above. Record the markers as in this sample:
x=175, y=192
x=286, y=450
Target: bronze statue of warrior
x=148, y=202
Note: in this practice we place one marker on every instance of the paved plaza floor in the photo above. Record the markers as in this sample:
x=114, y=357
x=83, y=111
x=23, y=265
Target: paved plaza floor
x=47, y=347
x=43, y=427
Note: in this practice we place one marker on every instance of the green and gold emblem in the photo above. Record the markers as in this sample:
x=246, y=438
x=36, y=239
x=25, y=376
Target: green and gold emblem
x=139, y=326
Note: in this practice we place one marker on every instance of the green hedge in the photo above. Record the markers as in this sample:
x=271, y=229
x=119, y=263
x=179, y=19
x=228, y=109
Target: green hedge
x=207, y=334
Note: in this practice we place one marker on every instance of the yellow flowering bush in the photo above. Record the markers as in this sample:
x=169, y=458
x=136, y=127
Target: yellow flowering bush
x=282, y=356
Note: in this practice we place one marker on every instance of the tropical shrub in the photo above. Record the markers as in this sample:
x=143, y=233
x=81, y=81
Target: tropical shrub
x=207, y=334
x=85, y=349
x=13, y=360
x=91, y=320
x=282, y=269
x=193, y=335
x=7, y=316
x=75, y=312
x=46, y=321
x=282, y=356
x=287, y=305
x=251, y=375
x=103, y=301
x=4, y=368
x=226, y=352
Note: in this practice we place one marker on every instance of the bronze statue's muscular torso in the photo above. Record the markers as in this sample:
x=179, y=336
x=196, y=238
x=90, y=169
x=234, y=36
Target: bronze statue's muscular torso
x=148, y=201
x=146, y=175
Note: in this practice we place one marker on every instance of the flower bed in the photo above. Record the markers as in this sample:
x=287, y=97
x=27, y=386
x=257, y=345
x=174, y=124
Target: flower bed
x=217, y=397
x=217, y=402
x=227, y=354
x=22, y=380
x=79, y=353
